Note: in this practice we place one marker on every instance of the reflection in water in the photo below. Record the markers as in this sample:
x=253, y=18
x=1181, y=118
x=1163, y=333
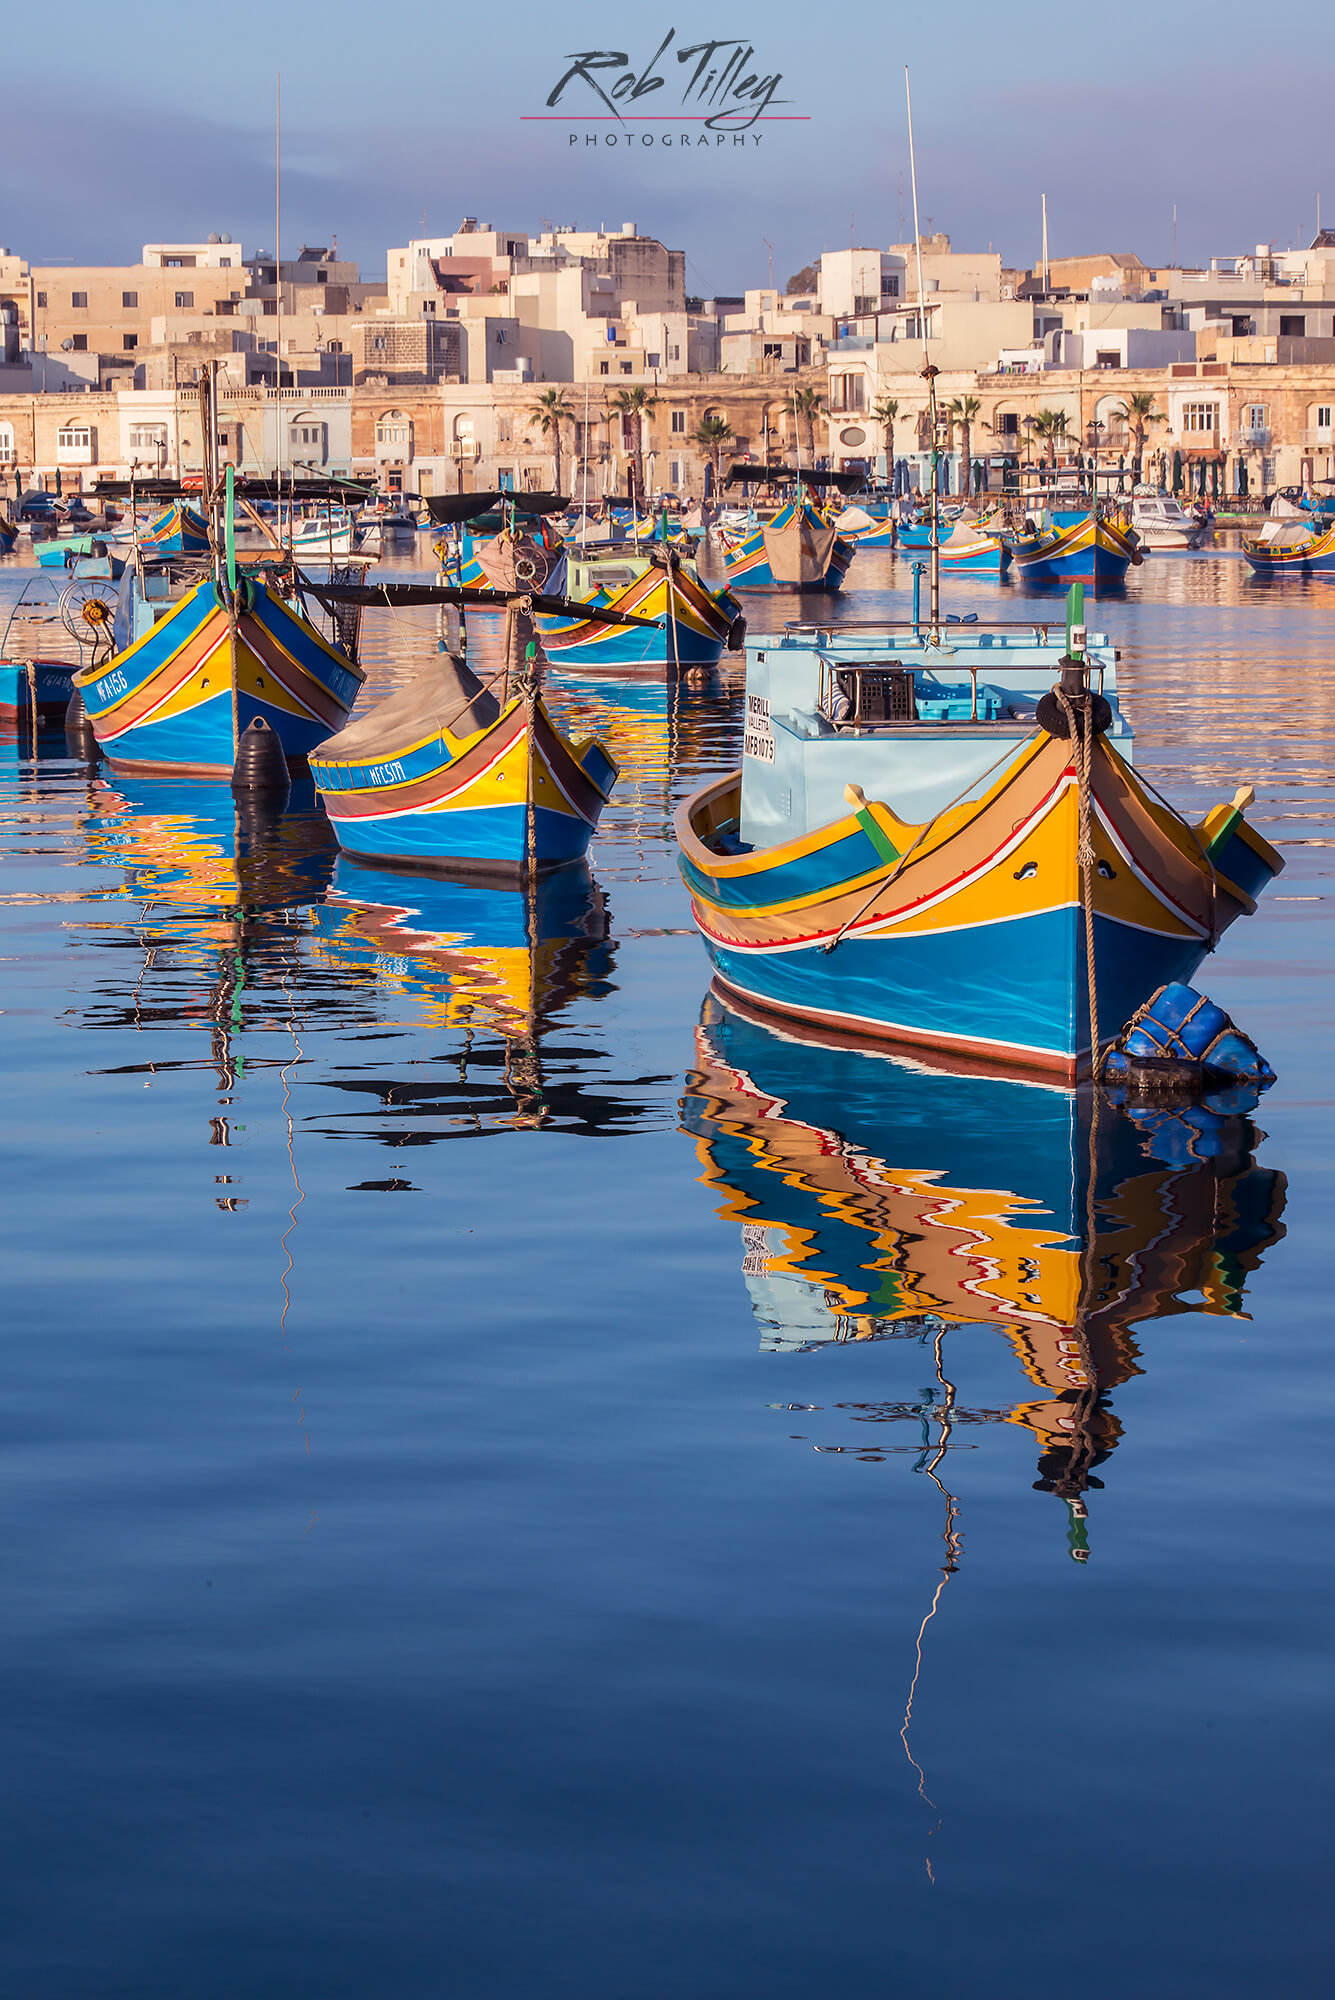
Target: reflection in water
x=881, y=1200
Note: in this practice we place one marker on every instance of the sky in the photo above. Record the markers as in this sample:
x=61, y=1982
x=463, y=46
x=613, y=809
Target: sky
x=155, y=122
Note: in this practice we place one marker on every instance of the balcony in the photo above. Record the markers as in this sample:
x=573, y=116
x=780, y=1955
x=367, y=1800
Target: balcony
x=1322, y=438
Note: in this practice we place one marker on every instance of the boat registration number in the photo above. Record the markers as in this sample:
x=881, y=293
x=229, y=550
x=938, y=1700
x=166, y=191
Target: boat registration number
x=758, y=737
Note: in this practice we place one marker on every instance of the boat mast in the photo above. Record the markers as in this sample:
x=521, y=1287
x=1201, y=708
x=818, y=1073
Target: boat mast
x=278, y=285
x=929, y=376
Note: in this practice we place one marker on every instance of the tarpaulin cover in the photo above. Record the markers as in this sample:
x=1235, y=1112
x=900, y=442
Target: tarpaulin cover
x=445, y=508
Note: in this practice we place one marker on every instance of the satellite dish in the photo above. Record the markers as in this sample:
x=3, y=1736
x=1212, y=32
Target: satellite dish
x=67, y=346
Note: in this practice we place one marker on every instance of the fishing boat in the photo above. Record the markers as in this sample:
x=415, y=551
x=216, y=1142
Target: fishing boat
x=443, y=774
x=198, y=662
x=68, y=550
x=1086, y=548
x=866, y=530
x=898, y=857
x=178, y=531
x=324, y=535
x=798, y=549
x=878, y=1199
x=9, y=534
x=970, y=550
x=1291, y=548
x=918, y=534
x=693, y=623
x=1163, y=523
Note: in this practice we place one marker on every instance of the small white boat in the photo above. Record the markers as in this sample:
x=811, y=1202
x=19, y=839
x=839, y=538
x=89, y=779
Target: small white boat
x=1163, y=522
x=326, y=535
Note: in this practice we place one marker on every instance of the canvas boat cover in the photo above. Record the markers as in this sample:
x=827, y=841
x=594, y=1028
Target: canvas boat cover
x=445, y=695
x=799, y=553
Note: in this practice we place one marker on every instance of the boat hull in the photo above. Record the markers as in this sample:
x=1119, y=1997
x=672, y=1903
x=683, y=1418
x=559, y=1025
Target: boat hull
x=470, y=811
x=966, y=935
x=1088, y=551
x=1313, y=558
x=182, y=696
x=696, y=623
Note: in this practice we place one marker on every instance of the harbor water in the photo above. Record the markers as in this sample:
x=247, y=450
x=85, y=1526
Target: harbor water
x=522, y=1481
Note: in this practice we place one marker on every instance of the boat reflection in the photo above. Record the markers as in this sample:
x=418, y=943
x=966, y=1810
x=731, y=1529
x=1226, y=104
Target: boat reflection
x=498, y=966
x=177, y=841
x=879, y=1199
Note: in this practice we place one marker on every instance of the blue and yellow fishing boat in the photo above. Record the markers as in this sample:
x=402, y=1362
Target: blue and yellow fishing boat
x=444, y=775
x=179, y=531
x=195, y=666
x=1291, y=548
x=798, y=549
x=1085, y=548
x=693, y=623
x=898, y=858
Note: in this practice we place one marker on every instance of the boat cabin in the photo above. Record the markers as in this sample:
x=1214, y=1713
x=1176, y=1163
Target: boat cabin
x=918, y=719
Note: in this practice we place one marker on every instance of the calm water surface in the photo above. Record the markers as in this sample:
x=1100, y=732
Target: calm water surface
x=521, y=1482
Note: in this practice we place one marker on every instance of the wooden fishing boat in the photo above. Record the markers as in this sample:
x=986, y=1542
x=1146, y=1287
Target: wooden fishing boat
x=866, y=530
x=1291, y=548
x=797, y=550
x=898, y=857
x=178, y=531
x=876, y=1198
x=649, y=582
x=196, y=665
x=443, y=775
x=1078, y=548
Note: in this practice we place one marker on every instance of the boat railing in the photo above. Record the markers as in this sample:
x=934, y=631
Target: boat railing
x=884, y=693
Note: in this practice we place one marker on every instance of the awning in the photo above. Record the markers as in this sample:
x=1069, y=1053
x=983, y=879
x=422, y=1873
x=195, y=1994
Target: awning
x=446, y=508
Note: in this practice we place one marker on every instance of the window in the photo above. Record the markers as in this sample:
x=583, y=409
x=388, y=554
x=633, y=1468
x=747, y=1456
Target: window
x=679, y=420
x=270, y=308
x=848, y=392
x=772, y=350
x=674, y=354
x=184, y=301
x=676, y=471
x=1323, y=416
x=129, y=341
x=889, y=287
x=504, y=431
x=1243, y=326
x=322, y=277
x=627, y=367
x=1292, y=326
x=74, y=437
x=1108, y=358
x=6, y=444
x=41, y=298
x=129, y=299
x=224, y=263
x=333, y=347
x=863, y=306
x=1006, y=423
x=79, y=299
x=379, y=343
x=148, y=437
x=1200, y=416
x=1254, y=417
x=79, y=342
x=604, y=367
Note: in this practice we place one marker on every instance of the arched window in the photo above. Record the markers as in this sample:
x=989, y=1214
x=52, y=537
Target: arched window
x=307, y=439
x=394, y=435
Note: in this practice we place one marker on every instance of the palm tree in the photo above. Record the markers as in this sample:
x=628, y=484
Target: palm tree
x=711, y=434
x=962, y=411
x=635, y=405
x=1139, y=413
x=885, y=411
x=808, y=404
x=1050, y=425
x=551, y=410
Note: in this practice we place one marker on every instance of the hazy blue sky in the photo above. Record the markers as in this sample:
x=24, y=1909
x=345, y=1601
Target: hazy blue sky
x=150, y=121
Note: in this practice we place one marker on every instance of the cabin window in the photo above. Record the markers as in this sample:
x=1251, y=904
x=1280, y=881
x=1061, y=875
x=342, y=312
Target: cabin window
x=679, y=420
x=1200, y=416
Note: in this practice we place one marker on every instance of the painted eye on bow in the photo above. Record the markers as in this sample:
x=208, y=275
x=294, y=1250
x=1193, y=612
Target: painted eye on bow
x=1023, y=874
x=1107, y=871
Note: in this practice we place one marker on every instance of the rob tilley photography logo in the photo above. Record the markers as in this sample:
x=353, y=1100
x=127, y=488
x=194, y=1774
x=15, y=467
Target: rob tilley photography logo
x=725, y=95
